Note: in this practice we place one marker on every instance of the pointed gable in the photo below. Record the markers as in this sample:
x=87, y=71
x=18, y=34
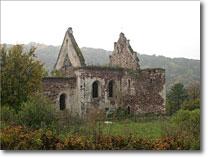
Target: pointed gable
x=70, y=53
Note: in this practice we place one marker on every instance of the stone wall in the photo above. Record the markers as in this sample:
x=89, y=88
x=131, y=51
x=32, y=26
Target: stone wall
x=149, y=94
x=143, y=91
x=87, y=76
x=55, y=86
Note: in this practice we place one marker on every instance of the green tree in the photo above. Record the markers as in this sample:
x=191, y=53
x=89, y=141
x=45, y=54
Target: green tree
x=175, y=98
x=21, y=75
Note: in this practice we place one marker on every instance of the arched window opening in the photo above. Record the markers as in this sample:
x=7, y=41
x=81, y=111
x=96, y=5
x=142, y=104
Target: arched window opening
x=129, y=83
x=62, y=101
x=110, y=89
x=128, y=110
x=95, y=89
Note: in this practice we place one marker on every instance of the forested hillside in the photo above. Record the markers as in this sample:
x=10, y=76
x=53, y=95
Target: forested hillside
x=177, y=69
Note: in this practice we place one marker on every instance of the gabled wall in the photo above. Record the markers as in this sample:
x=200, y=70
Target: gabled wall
x=123, y=55
x=70, y=50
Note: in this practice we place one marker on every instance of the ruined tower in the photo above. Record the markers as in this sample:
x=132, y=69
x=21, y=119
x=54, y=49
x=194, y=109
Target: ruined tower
x=123, y=55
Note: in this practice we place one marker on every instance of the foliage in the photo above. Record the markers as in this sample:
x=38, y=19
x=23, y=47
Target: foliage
x=181, y=133
x=45, y=72
x=175, y=98
x=21, y=75
x=56, y=73
x=37, y=112
x=121, y=113
x=185, y=126
x=20, y=138
x=193, y=100
x=8, y=114
x=187, y=121
x=193, y=90
x=191, y=104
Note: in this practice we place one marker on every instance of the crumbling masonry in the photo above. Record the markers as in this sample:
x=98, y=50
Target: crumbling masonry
x=121, y=84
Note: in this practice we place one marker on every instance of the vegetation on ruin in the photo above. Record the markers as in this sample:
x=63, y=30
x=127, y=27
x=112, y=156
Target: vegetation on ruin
x=103, y=67
x=56, y=73
x=133, y=73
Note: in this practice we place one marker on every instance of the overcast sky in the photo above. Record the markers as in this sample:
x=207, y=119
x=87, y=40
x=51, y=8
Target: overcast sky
x=163, y=28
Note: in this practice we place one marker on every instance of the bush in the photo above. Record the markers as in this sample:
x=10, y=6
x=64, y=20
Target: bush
x=21, y=138
x=37, y=112
x=185, y=128
x=121, y=113
x=8, y=114
x=191, y=104
x=187, y=120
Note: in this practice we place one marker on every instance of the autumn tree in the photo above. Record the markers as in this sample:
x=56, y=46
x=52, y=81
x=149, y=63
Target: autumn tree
x=21, y=75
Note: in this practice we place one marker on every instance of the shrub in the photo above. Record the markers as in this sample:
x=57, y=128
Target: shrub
x=8, y=114
x=191, y=104
x=121, y=113
x=187, y=120
x=185, y=129
x=21, y=138
x=37, y=112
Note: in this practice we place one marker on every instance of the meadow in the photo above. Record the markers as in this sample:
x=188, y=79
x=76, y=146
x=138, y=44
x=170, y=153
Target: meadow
x=145, y=127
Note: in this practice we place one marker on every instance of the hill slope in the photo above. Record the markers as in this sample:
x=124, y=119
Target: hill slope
x=177, y=69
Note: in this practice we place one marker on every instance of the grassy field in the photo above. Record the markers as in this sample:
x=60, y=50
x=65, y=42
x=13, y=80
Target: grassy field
x=143, y=128
x=144, y=133
x=150, y=129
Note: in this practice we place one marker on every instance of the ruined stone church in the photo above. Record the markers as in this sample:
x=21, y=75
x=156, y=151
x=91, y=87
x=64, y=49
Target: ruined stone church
x=120, y=84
